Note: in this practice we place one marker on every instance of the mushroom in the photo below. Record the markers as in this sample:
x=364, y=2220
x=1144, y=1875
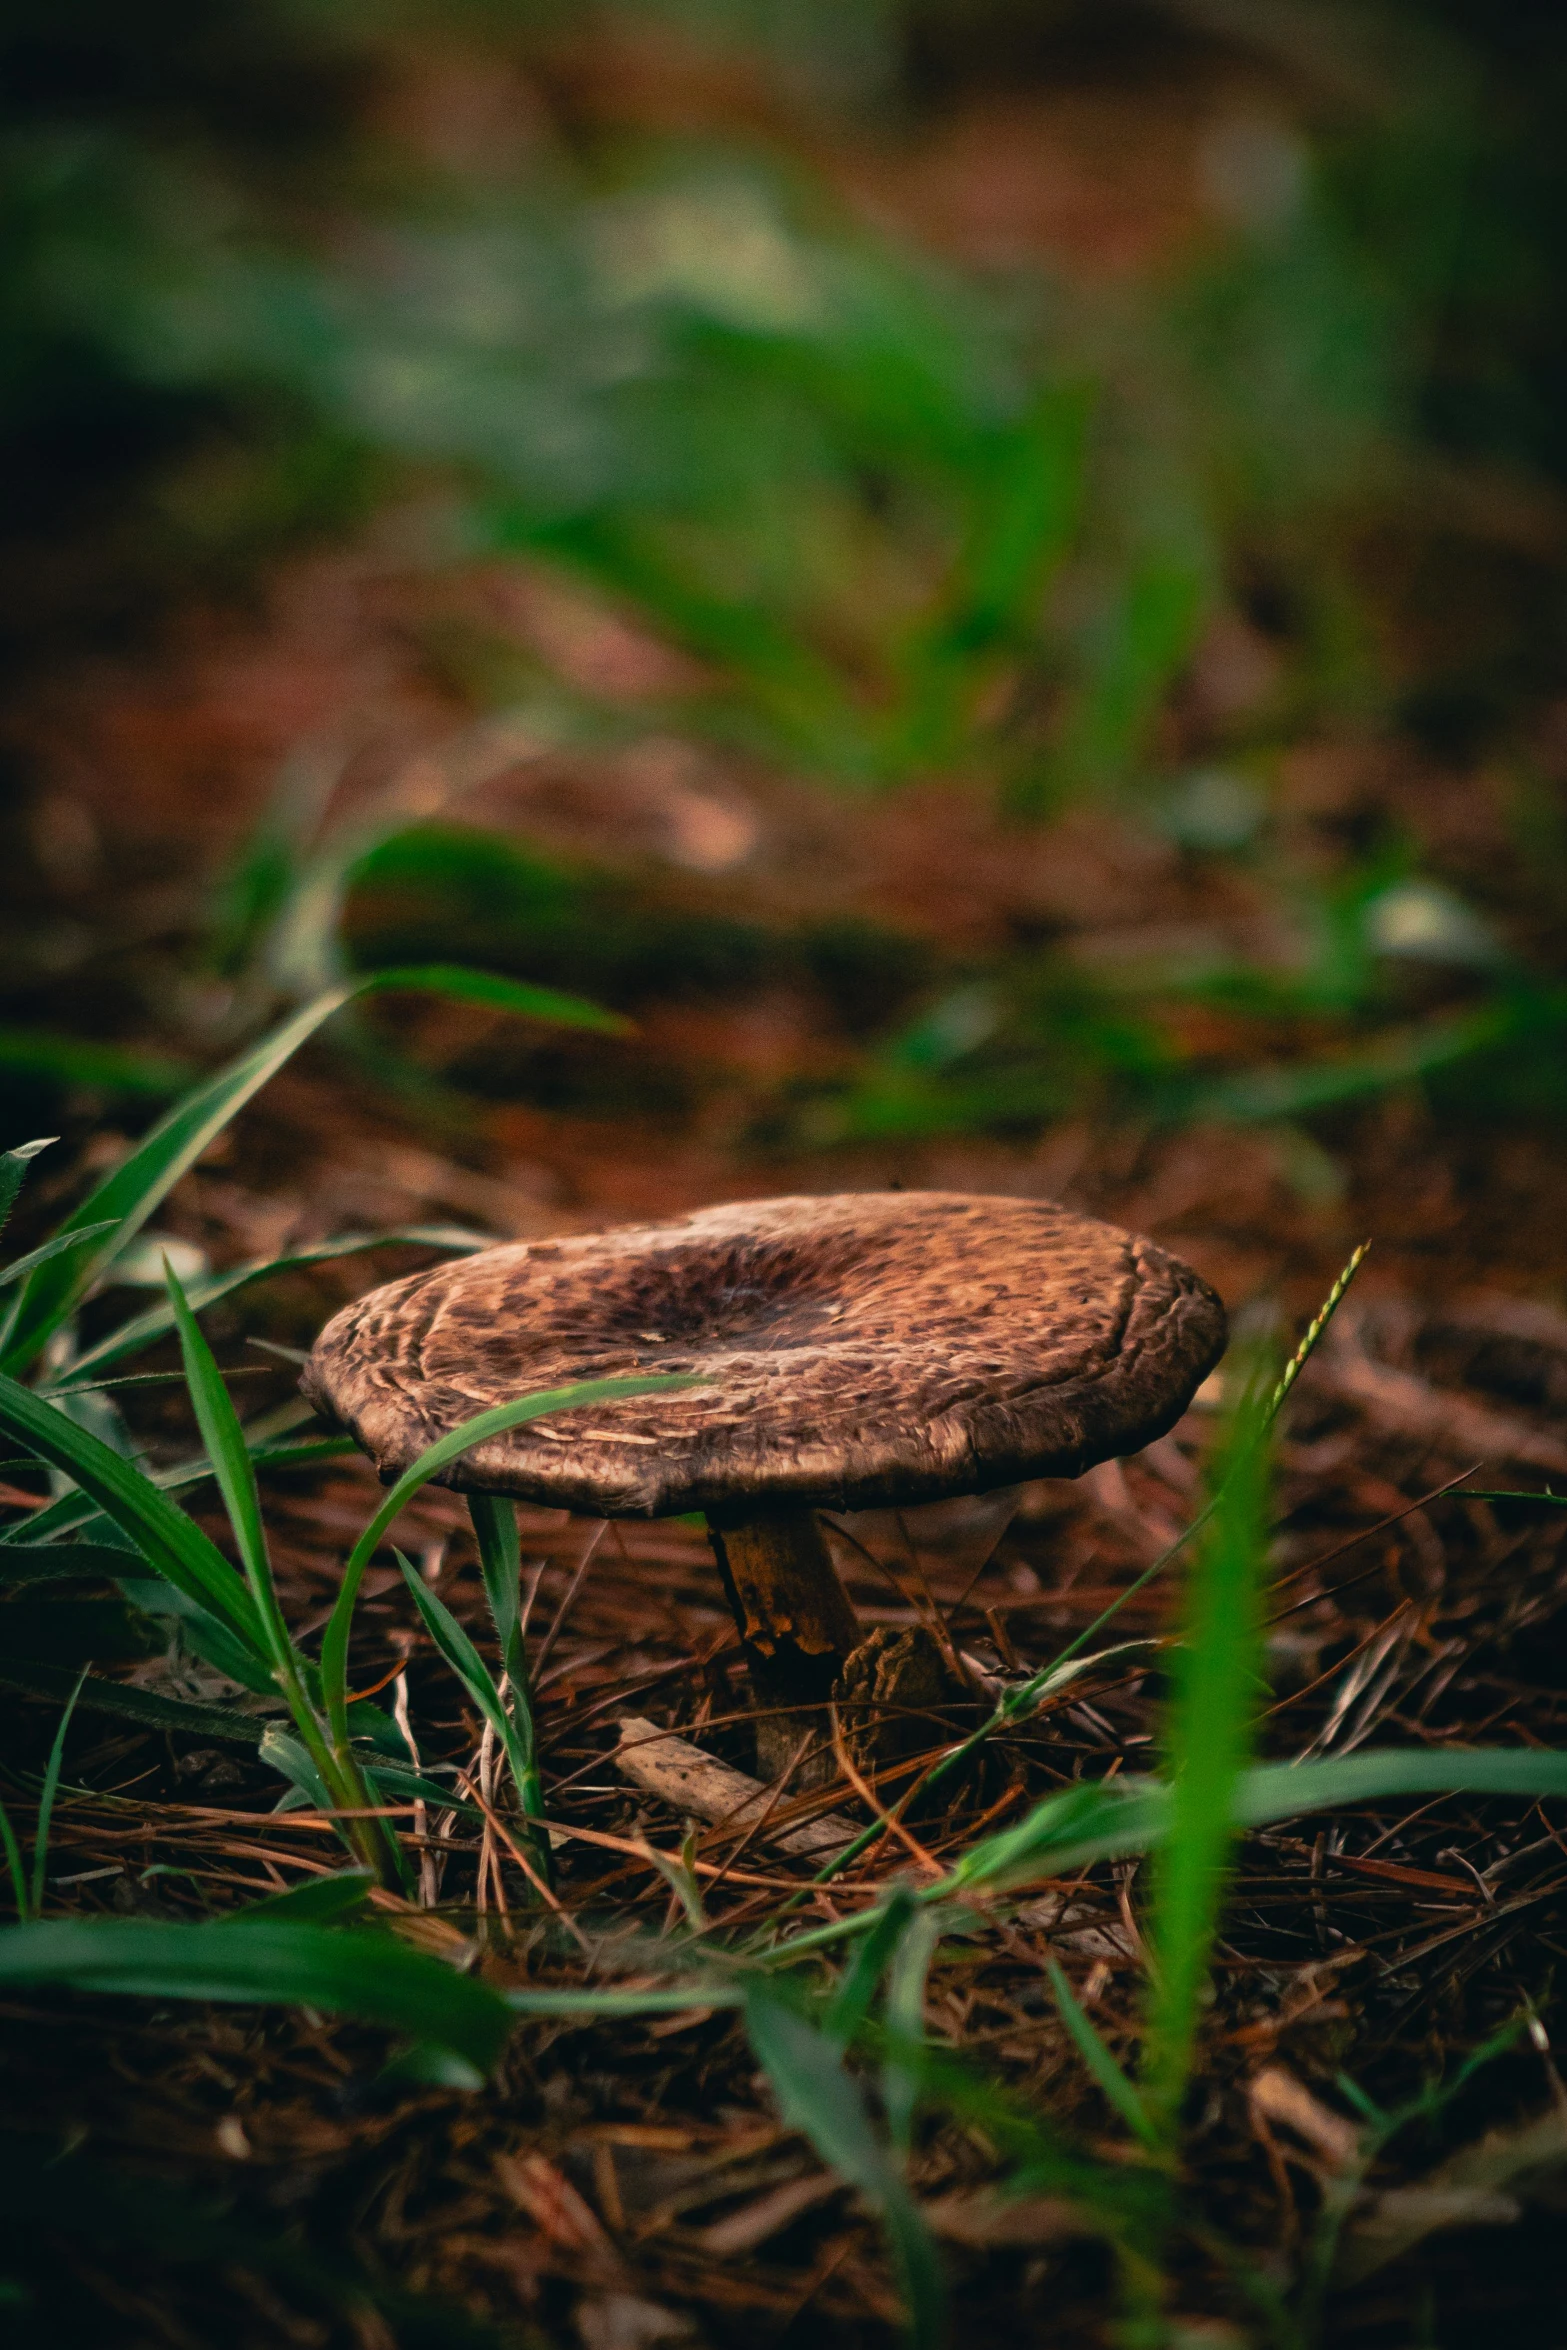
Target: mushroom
x=877, y=1348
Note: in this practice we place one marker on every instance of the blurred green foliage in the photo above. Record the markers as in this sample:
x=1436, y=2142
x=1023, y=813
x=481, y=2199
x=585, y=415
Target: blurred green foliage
x=843, y=478
x=905, y=522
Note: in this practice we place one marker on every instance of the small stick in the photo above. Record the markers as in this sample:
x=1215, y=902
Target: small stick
x=682, y=1776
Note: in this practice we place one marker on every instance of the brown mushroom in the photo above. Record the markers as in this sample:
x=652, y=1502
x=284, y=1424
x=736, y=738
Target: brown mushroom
x=879, y=1348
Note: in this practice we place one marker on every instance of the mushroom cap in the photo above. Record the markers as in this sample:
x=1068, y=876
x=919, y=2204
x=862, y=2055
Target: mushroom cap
x=873, y=1349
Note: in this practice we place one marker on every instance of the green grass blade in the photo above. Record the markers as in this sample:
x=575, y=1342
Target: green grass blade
x=1217, y=1674
x=226, y=1450
x=128, y=1197
x=295, y=1453
x=14, y=1864
x=144, y=1328
x=170, y=1542
x=1067, y=1832
x=902, y=2069
x=1285, y=1791
x=52, y=1562
x=466, y=1662
x=500, y=1563
x=318, y=1901
x=851, y=2002
x=36, y=1051
x=347, y=1970
x=282, y=1752
x=1014, y=1706
x=51, y=1788
x=1397, y=1056
x=442, y=1455
x=1107, y=2074
x=460, y=1653
x=127, y=1703
x=13, y=1172
x=1124, y=1816
x=817, y=2096
x=334, y=1787
x=63, y=1242
x=395, y=1783
x=660, y=2000
x=74, y=1512
x=202, y=1631
x=496, y=994
x=495, y=1422
x=235, y=1472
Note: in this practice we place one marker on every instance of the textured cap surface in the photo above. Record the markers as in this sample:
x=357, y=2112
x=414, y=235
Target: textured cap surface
x=870, y=1349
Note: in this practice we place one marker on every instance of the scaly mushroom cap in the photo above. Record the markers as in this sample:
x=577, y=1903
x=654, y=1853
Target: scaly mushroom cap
x=872, y=1349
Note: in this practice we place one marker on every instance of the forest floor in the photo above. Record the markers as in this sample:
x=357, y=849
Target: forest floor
x=248, y=2177
x=637, y=2173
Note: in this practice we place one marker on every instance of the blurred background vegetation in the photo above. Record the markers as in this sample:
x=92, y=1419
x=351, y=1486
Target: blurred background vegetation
x=1109, y=457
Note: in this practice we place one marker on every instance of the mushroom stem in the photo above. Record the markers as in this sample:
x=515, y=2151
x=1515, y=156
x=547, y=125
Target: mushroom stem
x=795, y=1623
